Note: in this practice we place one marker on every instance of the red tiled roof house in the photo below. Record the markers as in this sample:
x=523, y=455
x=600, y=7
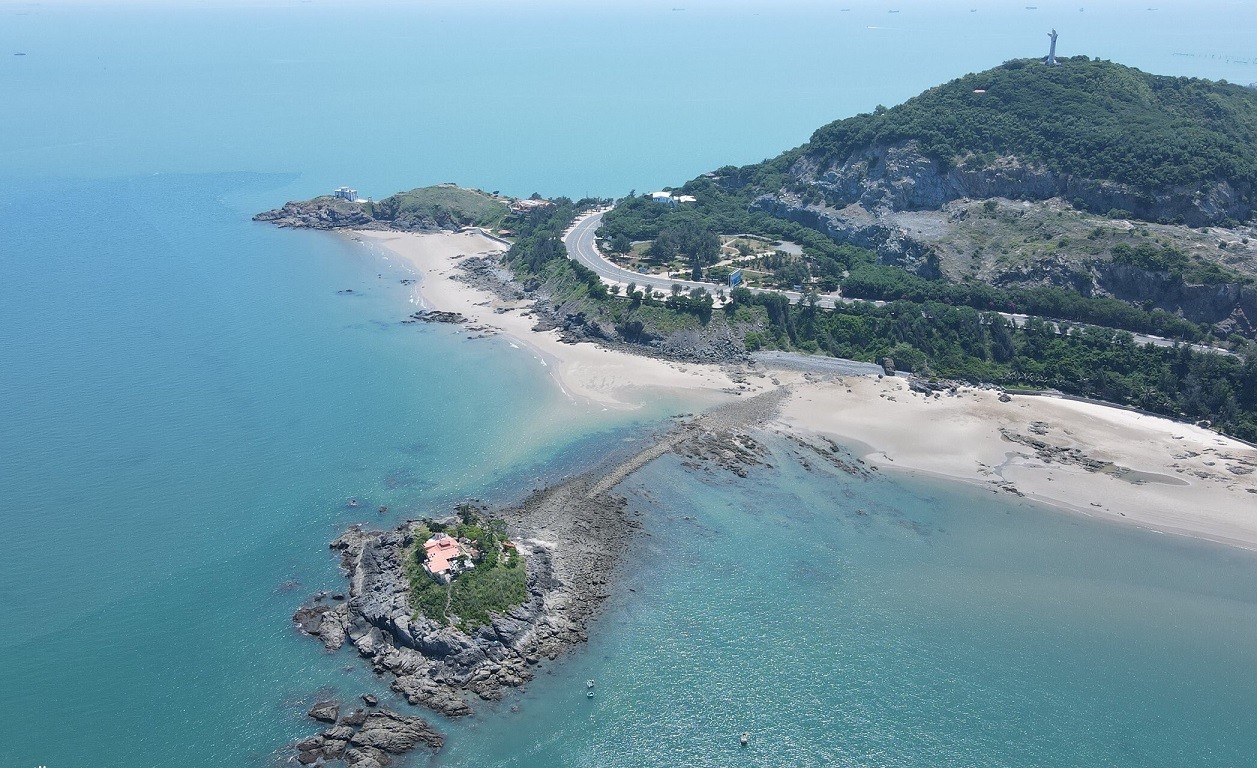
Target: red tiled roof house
x=444, y=557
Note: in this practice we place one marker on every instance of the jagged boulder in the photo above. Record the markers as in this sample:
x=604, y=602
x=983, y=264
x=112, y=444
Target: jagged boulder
x=325, y=711
x=396, y=734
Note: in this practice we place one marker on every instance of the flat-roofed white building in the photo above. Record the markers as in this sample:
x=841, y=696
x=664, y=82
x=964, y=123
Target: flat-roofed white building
x=348, y=193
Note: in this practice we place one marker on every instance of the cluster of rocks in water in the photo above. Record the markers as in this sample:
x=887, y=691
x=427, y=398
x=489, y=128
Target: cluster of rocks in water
x=320, y=213
x=434, y=316
x=362, y=738
x=731, y=450
x=831, y=453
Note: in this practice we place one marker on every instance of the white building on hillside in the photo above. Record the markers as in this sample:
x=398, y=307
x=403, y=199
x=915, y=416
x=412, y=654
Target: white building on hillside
x=667, y=198
x=348, y=193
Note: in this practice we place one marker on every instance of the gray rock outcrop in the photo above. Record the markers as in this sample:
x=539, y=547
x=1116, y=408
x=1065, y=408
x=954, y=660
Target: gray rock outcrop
x=855, y=225
x=334, y=213
x=854, y=201
x=1231, y=306
x=365, y=740
x=321, y=213
x=899, y=177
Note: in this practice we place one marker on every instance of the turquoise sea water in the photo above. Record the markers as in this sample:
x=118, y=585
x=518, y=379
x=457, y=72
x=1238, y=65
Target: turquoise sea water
x=880, y=622
x=187, y=402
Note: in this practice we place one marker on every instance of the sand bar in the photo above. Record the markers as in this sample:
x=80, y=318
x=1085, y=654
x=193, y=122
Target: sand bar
x=1090, y=459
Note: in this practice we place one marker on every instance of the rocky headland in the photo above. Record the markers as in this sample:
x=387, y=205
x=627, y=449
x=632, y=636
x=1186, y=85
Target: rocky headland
x=426, y=209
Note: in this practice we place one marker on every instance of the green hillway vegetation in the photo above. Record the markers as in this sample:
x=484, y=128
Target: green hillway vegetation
x=854, y=271
x=498, y=583
x=1090, y=118
x=922, y=334
x=449, y=205
x=1095, y=119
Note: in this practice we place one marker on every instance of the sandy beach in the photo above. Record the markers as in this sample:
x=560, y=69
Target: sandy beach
x=1087, y=458
x=1081, y=457
x=583, y=371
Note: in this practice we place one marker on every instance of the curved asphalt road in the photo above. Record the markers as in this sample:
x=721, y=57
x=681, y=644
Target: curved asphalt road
x=582, y=247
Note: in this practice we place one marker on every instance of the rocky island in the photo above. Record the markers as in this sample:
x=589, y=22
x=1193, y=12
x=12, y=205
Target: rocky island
x=473, y=620
x=401, y=610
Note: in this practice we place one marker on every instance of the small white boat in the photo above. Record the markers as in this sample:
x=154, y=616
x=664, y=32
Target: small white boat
x=745, y=739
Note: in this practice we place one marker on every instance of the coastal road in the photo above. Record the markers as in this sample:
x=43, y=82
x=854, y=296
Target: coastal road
x=582, y=246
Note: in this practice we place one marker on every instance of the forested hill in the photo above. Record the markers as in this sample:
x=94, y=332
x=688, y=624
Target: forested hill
x=1102, y=135
x=1095, y=119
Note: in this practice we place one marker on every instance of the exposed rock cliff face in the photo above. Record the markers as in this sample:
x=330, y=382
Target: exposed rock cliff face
x=854, y=201
x=856, y=225
x=900, y=178
x=1233, y=307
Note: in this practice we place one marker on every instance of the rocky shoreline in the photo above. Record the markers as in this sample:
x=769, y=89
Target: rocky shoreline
x=324, y=213
x=330, y=213
x=432, y=665
x=720, y=346
x=573, y=536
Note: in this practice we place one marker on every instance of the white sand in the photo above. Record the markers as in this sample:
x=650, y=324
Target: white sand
x=584, y=371
x=1186, y=486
